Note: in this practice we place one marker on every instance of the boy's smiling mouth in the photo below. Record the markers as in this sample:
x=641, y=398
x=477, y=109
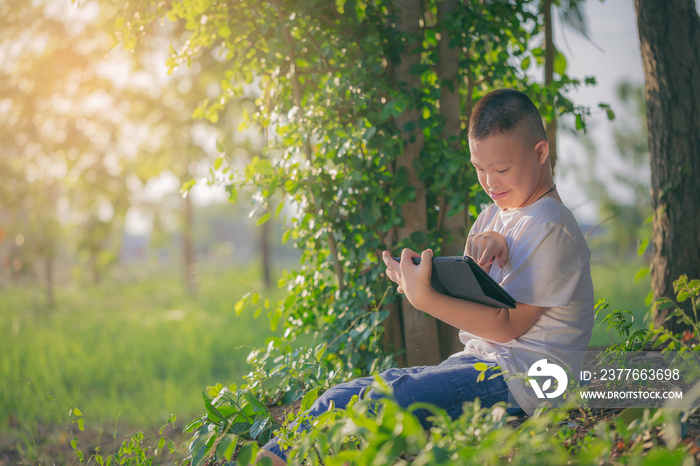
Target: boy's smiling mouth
x=498, y=195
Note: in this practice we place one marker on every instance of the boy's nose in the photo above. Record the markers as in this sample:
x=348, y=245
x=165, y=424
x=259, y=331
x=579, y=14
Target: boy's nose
x=492, y=181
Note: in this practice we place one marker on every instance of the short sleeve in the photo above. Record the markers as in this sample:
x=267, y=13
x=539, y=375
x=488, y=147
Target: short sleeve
x=545, y=266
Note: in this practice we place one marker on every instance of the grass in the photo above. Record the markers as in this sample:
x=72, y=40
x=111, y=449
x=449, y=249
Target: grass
x=129, y=351
x=617, y=285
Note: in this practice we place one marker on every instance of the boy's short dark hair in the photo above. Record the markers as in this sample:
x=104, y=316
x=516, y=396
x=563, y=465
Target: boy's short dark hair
x=503, y=110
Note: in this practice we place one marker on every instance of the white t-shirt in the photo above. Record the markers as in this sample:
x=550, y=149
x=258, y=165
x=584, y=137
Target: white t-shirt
x=549, y=267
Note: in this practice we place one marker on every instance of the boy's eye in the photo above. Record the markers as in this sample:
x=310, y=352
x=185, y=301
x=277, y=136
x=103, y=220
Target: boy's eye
x=500, y=172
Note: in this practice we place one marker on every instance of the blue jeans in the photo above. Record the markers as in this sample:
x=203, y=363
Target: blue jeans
x=448, y=385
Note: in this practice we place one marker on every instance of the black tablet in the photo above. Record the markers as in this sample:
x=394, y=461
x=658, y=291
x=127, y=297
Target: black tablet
x=461, y=277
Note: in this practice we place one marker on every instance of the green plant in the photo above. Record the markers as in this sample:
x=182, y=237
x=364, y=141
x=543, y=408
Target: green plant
x=688, y=339
x=622, y=287
x=133, y=450
x=621, y=321
x=382, y=433
x=282, y=373
x=233, y=420
x=663, y=338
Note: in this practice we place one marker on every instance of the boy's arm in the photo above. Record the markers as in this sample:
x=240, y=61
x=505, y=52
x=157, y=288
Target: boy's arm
x=484, y=321
x=500, y=325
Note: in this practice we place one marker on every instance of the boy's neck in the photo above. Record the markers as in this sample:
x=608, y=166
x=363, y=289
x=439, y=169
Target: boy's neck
x=550, y=192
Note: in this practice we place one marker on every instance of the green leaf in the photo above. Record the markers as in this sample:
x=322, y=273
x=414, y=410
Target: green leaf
x=198, y=447
x=212, y=412
x=309, y=399
x=258, y=426
x=387, y=111
x=480, y=366
x=560, y=64
x=661, y=339
x=320, y=351
x=649, y=298
x=258, y=407
x=525, y=64
x=227, y=446
x=641, y=273
x=187, y=186
x=240, y=427
x=264, y=218
x=418, y=238
x=643, y=245
x=608, y=111
x=247, y=453
x=192, y=425
x=664, y=303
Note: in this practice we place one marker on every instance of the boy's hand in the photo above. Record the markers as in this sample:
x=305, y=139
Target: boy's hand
x=413, y=280
x=486, y=248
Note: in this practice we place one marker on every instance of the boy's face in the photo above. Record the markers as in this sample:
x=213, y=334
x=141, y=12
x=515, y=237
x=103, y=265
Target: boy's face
x=511, y=168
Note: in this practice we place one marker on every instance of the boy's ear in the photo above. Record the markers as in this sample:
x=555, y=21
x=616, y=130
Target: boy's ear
x=542, y=151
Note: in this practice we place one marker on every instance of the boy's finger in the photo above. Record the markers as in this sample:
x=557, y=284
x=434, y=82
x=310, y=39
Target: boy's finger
x=389, y=261
x=469, y=247
x=486, y=257
x=406, y=255
x=482, y=255
x=502, y=258
x=386, y=257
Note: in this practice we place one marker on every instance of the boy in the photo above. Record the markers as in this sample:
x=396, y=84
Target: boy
x=530, y=243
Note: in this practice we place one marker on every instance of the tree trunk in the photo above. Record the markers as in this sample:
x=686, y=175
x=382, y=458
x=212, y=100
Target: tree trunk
x=669, y=34
x=550, y=127
x=457, y=225
x=420, y=329
x=393, y=338
x=188, y=247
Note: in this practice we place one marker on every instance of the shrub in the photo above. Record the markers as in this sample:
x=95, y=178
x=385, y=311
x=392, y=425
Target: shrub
x=382, y=432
